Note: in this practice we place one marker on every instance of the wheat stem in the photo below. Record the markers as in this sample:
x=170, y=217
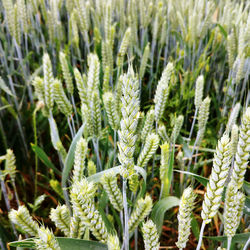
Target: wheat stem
x=125, y=205
x=229, y=240
x=96, y=148
x=201, y=235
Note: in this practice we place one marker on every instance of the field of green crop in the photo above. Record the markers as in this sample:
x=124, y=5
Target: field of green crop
x=124, y=124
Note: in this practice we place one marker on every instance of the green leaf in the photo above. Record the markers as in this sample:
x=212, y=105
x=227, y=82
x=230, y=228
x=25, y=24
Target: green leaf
x=27, y=243
x=170, y=171
x=54, y=132
x=142, y=172
x=70, y=156
x=44, y=158
x=201, y=179
x=223, y=31
x=246, y=187
x=97, y=177
x=5, y=88
x=240, y=238
x=6, y=107
x=65, y=244
x=108, y=224
x=195, y=227
x=160, y=208
x=247, y=206
x=186, y=149
x=76, y=244
x=9, y=107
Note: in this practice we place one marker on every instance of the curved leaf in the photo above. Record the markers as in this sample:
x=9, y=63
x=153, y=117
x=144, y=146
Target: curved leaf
x=97, y=177
x=241, y=238
x=160, y=208
x=201, y=179
x=76, y=244
x=70, y=156
x=65, y=244
x=5, y=88
x=44, y=158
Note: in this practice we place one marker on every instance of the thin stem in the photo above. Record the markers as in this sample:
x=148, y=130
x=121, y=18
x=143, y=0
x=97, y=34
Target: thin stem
x=153, y=166
x=74, y=107
x=18, y=116
x=96, y=148
x=152, y=68
x=66, y=198
x=194, y=147
x=196, y=154
x=7, y=202
x=35, y=142
x=125, y=205
x=201, y=235
x=15, y=191
x=70, y=128
x=192, y=128
x=140, y=90
x=86, y=38
x=114, y=148
x=247, y=244
x=136, y=238
x=121, y=218
x=1, y=244
x=229, y=240
x=73, y=124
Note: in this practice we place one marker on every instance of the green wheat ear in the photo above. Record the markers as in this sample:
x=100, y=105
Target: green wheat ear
x=82, y=194
x=234, y=139
x=151, y=145
x=217, y=179
x=177, y=128
x=61, y=217
x=243, y=149
x=91, y=168
x=48, y=82
x=162, y=91
x=144, y=60
x=9, y=9
x=61, y=99
x=141, y=211
x=150, y=235
x=113, y=242
x=202, y=119
x=129, y=122
x=95, y=111
x=10, y=164
x=93, y=81
x=109, y=182
x=148, y=124
x=134, y=182
x=81, y=86
x=199, y=91
x=77, y=227
x=110, y=107
x=66, y=73
x=46, y=239
x=233, y=117
x=184, y=217
x=123, y=47
x=234, y=204
x=38, y=83
x=79, y=159
x=23, y=219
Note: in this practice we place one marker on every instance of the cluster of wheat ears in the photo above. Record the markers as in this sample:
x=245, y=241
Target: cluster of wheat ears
x=109, y=71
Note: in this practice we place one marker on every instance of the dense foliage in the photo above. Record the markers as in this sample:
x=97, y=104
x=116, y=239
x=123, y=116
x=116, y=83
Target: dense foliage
x=124, y=122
